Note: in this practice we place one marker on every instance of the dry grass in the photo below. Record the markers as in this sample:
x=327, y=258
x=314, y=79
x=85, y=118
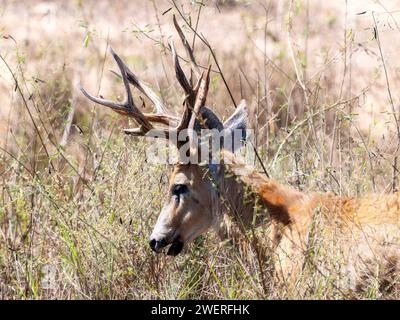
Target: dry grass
x=82, y=208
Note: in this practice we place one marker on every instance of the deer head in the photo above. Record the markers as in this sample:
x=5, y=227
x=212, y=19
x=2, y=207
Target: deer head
x=190, y=205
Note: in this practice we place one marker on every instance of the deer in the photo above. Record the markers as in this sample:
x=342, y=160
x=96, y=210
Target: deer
x=232, y=193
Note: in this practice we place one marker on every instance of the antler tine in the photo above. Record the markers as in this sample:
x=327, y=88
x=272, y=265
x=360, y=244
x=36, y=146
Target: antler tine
x=129, y=104
x=113, y=105
x=199, y=104
x=187, y=114
x=201, y=97
x=149, y=93
x=180, y=75
x=188, y=49
x=146, y=126
x=161, y=109
x=190, y=92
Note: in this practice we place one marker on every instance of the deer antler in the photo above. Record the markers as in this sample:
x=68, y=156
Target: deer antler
x=194, y=109
x=127, y=108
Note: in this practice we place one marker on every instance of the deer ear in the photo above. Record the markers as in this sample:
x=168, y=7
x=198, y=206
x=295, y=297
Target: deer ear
x=239, y=120
x=236, y=126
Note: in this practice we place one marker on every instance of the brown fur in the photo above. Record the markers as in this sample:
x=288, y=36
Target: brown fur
x=366, y=229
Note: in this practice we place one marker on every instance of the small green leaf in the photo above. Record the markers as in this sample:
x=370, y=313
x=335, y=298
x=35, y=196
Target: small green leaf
x=87, y=39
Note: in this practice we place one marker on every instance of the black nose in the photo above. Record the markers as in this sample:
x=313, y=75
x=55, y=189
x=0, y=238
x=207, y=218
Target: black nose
x=152, y=244
x=157, y=245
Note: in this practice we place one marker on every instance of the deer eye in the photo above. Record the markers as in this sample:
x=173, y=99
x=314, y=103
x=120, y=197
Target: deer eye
x=179, y=189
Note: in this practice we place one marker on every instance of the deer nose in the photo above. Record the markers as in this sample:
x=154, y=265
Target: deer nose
x=157, y=245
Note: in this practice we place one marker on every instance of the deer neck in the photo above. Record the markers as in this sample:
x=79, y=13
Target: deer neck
x=246, y=198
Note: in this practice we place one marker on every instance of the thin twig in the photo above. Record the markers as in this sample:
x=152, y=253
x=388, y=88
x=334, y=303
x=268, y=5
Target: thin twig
x=378, y=41
x=27, y=108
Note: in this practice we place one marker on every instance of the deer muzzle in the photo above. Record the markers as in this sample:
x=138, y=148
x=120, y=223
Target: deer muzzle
x=175, y=248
